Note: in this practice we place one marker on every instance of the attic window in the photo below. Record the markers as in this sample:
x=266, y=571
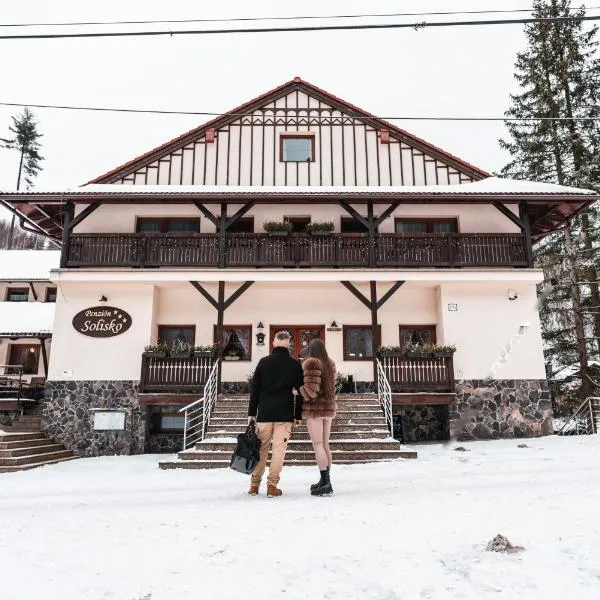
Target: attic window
x=296, y=147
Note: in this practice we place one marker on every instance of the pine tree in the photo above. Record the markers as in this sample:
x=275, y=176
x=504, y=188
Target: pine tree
x=559, y=77
x=25, y=139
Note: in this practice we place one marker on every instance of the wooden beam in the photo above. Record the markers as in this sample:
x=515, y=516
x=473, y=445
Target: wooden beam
x=44, y=355
x=84, y=214
x=524, y=214
x=239, y=214
x=386, y=213
x=374, y=330
x=33, y=290
x=237, y=294
x=357, y=293
x=353, y=213
x=509, y=213
x=390, y=293
x=214, y=302
x=372, y=232
x=210, y=216
x=66, y=233
x=223, y=237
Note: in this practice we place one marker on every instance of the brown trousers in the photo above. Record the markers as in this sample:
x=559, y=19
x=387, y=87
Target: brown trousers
x=274, y=437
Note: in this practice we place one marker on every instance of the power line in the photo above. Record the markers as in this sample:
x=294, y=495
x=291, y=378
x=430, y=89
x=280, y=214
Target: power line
x=377, y=26
x=295, y=18
x=312, y=117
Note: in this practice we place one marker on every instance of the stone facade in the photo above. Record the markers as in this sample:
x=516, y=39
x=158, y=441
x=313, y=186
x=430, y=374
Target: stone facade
x=501, y=409
x=421, y=423
x=235, y=388
x=164, y=443
x=7, y=417
x=67, y=416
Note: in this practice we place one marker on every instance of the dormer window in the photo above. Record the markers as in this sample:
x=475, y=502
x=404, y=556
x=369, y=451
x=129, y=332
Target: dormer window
x=296, y=147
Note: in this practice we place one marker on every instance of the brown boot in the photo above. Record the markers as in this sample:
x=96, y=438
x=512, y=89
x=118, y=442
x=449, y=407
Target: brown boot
x=253, y=491
x=273, y=491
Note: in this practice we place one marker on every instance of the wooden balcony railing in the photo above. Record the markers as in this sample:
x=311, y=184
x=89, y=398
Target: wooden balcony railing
x=175, y=375
x=296, y=250
x=419, y=374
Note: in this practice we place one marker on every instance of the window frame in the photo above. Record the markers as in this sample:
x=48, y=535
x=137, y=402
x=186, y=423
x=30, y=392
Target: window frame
x=429, y=223
x=50, y=290
x=156, y=417
x=20, y=290
x=36, y=347
x=302, y=136
x=248, y=357
x=163, y=224
x=376, y=344
x=432, y=328
x=177, y=326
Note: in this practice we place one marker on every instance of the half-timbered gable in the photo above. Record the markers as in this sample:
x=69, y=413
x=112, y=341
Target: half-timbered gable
x=347, y=146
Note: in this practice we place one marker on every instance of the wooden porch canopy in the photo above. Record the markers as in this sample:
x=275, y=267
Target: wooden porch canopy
x=547, y=206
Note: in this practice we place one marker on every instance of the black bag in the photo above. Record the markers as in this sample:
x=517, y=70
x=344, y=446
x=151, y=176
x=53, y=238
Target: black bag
x=247, y=452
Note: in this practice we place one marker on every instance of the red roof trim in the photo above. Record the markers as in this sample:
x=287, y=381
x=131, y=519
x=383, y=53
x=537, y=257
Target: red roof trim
x=296, y=83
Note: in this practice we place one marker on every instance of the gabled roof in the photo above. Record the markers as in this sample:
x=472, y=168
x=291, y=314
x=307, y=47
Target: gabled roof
x=312, y=90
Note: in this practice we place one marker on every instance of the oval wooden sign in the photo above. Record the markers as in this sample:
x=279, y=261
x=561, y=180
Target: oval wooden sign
x=102, y=321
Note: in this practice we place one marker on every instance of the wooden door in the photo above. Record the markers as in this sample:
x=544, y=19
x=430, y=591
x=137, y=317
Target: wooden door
x=301, y=336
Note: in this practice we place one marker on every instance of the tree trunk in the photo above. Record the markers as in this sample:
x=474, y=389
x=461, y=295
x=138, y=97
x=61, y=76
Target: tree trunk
x=11, y=231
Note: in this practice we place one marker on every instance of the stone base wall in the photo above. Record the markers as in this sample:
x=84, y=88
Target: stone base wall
x=164, y=443
x=7, y=417
x=235, y=387
x=501, y=409
x=67, y=416
x=421, y=423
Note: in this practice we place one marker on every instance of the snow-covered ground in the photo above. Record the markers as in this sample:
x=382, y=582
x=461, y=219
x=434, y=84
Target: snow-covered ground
x=118, y=528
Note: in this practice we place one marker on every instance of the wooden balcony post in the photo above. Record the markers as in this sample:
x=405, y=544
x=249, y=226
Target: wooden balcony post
x=69, y=212
x=526, y=228
x=144, y=373
x=223, y=237
x=374, y=330
x=372, y=234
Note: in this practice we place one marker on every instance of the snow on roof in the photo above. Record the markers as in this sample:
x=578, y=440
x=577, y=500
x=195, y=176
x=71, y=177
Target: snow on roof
x=26, y=318
x=28, y=265
x=490, y=185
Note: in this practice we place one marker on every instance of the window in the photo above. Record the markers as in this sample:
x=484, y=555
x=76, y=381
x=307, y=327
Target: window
x=172, y=333
x=298, y=223
x=243, y=225
x=426, y=225
x=168, y=225
x=417, y=335
x=237, y=341
x=296, y=148
x=358, y=342
x=17, y=295
x=350, y=225
x=166, y=419
x=26, y=355
x=50, y=294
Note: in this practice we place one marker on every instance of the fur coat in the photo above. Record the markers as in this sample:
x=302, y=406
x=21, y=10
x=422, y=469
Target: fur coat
x=316, y=401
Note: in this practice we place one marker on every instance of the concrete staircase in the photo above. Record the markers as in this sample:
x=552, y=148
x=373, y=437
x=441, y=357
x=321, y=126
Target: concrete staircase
x=359, y=435
x=23, y=446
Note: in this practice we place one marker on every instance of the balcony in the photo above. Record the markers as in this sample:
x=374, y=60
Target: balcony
x=174, y=375
x=430, y=374
x=252, y=250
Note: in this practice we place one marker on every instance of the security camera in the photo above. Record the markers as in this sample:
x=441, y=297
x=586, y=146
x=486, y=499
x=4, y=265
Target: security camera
x=512, y=295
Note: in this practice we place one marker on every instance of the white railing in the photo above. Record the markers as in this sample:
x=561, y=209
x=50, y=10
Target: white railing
x=197, y=414
x=585, y=420
x=384, y=393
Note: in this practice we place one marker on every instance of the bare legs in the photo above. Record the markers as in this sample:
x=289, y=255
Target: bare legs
x=319, y=429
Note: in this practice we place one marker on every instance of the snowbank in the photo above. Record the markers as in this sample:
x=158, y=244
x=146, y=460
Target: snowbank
x=26, y=318
x=118, y=528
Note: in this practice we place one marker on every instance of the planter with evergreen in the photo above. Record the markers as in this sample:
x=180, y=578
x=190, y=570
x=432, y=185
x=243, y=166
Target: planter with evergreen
x=158, y=350
x=278, y=228
x=320, y=228
x=180, y=349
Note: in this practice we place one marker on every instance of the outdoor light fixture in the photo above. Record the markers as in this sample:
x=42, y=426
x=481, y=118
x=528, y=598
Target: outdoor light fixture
x=512, y=294
x=260, y=325
x=260, y=339
x=334, y=325
x=103, y=299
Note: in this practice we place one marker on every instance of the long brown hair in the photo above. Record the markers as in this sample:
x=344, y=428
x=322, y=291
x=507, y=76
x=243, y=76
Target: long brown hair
x=316, y=349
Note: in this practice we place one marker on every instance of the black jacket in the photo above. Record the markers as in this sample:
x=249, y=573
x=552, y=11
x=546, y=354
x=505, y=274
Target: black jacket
x=272, y=384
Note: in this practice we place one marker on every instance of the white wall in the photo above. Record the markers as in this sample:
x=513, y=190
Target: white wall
x=476, y=218
x=76, y=356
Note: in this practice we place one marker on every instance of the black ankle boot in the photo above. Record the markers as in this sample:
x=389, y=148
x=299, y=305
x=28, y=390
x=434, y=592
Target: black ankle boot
x=324, y=486
x=314, y=486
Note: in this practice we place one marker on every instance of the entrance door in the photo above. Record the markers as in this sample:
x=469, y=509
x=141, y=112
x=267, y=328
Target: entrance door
x=301, y=336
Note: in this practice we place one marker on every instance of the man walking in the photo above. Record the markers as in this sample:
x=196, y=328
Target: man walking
x=272, y=405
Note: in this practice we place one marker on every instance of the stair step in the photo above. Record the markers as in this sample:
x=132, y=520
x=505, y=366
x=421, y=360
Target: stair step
x=16, y=468
x=243, y=421
x=14, y=436
x=303, y=435
x=40, y=441
x=33, y=458
x=225, y=455
x=306, y=446
x=335, y=428
x=32, y=450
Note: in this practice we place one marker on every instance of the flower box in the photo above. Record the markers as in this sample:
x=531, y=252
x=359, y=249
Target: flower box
x=180, y=354
x=157, y=354
x=203, y=353
x=231, y=358
x=279, y=233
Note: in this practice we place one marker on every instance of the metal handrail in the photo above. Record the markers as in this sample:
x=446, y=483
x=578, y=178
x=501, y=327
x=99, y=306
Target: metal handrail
x=197, y=414
x=384, y=394
x=585, y=420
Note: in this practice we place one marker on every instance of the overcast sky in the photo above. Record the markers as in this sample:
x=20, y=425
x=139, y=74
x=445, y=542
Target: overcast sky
x=450, y=71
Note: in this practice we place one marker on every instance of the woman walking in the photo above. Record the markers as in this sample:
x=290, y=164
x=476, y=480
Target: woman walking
x=318, y=408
